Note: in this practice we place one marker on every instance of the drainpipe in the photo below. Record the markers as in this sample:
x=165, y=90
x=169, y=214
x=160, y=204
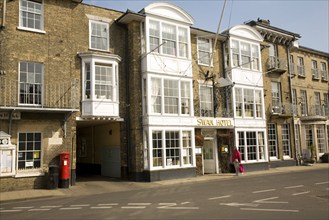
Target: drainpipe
x=291, y=102
x=4, y=14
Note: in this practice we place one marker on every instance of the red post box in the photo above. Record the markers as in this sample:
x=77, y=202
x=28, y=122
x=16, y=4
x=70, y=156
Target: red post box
x=64, y=173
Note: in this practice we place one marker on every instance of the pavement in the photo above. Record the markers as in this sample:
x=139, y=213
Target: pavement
x=99, y=185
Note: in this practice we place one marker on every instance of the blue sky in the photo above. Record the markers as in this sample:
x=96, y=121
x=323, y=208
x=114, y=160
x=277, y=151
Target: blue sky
x=309, y=18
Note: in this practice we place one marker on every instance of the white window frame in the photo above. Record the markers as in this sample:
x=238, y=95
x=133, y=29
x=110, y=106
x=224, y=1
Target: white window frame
x=303, y=102
x=321, y=140
x=94, y=62
x=245, y=55
x=300, y=66
x=158, y=95
x=169, y=39
x=183, y=151
x=272, y=141
x=276, y=97
x=286, y=148
x=245, y=146
x=183, y=42
x=205, y=50
x=36, y=12
x=317, y=104
x=154, y=36
x=168, y=44
x=324, y=73
x=28, y=79
x=205, y=103
x=106, y=37
x=314, y=69
x=255, y=105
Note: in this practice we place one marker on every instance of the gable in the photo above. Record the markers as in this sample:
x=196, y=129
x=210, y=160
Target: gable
x=169, y=11
x=247, y=32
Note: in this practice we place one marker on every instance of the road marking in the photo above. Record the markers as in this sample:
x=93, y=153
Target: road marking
x=101, y=207
x=266, y=200
x=72, y=208
x=167, y=204
x=170, y=207
x=234, y=204
x=36, y=210
x=301, y=193
x=24, y=207
x=108, y=204
x=83, y=205
x=266, y=190
x=322, y=183
x=269, y=210
x=137, y=204
x=293, y=187
x=220, y=197
x=173, y=206
x=133, y=207
x=50, y=206
x=10, y=211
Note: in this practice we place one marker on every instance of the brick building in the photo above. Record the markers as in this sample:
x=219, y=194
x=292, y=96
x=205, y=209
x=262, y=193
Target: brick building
x=146, y=96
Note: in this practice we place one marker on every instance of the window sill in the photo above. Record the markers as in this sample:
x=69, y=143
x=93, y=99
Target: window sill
x=31, y=30
x=29, y=173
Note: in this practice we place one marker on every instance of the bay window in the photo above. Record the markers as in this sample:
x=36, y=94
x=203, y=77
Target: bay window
x=248, y=103
x=245, y=55
x=170, y=96
x=174, y=39
x=100, y=84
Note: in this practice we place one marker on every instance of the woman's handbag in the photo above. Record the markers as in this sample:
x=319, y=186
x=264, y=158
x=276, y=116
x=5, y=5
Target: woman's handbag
x=241, y=168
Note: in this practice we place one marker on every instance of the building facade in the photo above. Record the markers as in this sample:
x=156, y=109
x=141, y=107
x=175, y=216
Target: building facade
x=146, y=96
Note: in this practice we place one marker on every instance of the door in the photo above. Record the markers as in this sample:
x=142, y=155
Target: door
x=209, y=156
x=110, y=164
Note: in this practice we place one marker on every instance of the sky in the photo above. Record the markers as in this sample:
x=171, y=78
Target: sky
x=308, y=18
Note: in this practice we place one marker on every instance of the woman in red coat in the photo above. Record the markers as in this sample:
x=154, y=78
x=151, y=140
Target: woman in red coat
x=236, y=160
